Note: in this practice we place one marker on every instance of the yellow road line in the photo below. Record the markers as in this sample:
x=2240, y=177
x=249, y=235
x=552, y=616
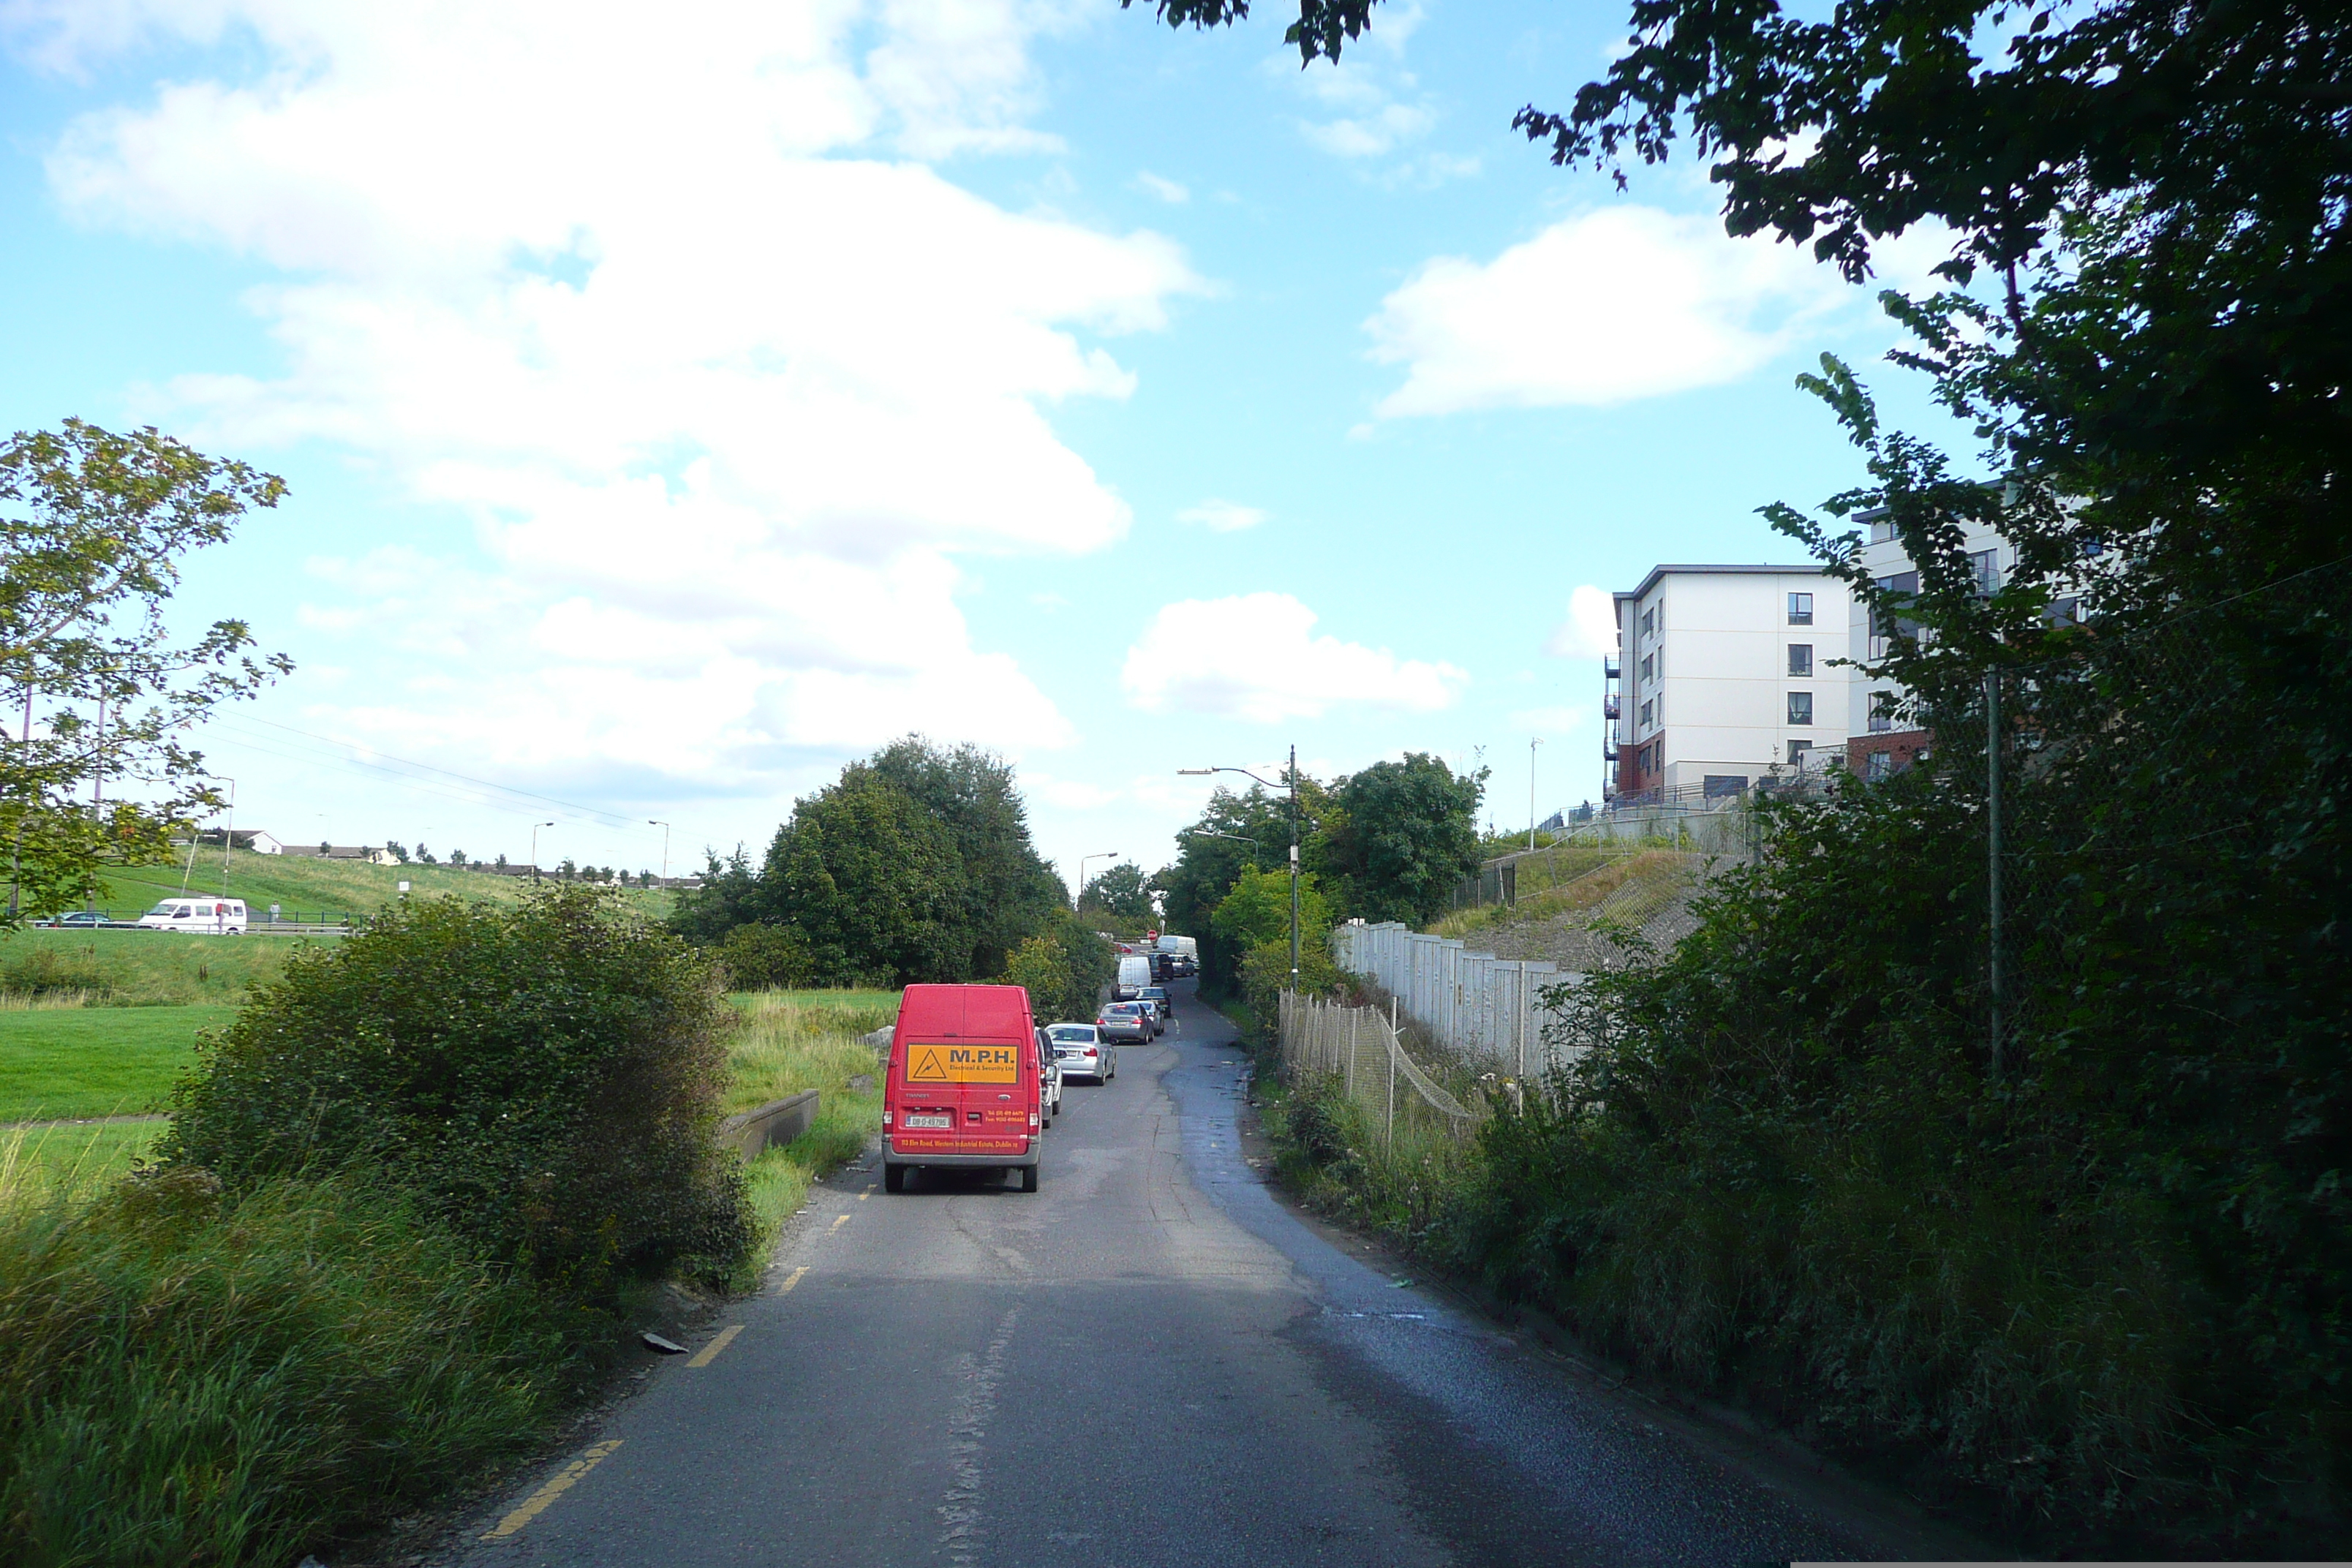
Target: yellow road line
x=865, y=1195
x=536, y=1504
x=842, y=1221
x=718, y=1343
x=792, y=1279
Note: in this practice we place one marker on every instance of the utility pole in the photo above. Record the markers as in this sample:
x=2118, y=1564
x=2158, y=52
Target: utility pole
x=534, y=848
x=1294, y=870
x=665, y=827
x=228, y=835
x=1993, y=856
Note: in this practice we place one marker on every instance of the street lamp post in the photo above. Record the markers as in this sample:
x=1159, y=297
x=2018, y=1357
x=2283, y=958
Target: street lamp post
x=1532, y=745
x=1083, y=860
x=228, y=835
x=534, y=848
x=1294, y=845
x=665, y=827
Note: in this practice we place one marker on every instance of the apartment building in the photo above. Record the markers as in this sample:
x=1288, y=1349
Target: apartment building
x=1722, y=677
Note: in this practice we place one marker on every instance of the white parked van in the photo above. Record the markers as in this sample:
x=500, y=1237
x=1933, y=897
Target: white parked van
x=1134, y=974
x=205, y=917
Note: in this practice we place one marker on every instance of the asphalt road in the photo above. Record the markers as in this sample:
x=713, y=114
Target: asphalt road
x=1149, y=1362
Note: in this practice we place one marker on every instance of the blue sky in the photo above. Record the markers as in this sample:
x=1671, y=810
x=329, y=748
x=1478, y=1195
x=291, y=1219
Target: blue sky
x=672, y=415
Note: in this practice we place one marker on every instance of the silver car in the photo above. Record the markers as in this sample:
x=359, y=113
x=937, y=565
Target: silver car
x=1128, y=1021
x=1049, y=1080
x=1081, y=1051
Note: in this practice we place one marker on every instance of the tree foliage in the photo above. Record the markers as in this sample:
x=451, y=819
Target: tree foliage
x=1403, y=835
x=1123, y=894
x=915, y=865
x=93, y=527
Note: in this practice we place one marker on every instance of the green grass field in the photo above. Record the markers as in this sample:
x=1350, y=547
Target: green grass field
x=793, y=1040
x=97, y=1061
x=78, y=1157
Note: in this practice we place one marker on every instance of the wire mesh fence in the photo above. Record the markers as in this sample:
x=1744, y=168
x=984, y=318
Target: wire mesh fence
x=1362, y=1051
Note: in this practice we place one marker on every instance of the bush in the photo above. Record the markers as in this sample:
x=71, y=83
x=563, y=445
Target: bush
x=190, y=1376
x=1063, y=968
x=544, y=1077
x=765, y=958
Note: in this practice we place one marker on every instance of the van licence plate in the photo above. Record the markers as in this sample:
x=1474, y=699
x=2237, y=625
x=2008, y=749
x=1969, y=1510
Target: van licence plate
x=939, y=1122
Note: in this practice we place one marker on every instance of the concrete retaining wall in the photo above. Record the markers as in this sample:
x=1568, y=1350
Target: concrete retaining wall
x=778, y=1123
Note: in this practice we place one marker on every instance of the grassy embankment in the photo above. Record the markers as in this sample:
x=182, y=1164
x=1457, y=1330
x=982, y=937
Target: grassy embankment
x=1579, y=879
x=308, y=884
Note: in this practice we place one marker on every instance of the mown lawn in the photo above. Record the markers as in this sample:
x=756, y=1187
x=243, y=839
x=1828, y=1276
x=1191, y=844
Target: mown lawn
x=143, y=968
x=95, y=1061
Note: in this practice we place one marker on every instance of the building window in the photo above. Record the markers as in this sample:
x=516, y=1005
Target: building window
x=1716, y=787
x=1884, y=626
x=1882, y=712
x=1985, y=564
x=1649, y=713
x=1797, y=752
x=1801, y=708
x=1649, y=667
x=1801, y=609
x=1878, y=765
x=1881, y=530
x=1650, y=622
x=1801, y=660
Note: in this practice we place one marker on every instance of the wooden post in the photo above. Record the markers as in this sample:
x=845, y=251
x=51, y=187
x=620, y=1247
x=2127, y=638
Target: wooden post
x=1392, y=1055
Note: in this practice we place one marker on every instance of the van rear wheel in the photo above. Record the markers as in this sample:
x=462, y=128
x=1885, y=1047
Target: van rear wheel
x=894, y=1178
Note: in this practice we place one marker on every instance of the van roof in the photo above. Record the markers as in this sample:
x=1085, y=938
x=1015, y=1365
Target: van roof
x=965, y=1012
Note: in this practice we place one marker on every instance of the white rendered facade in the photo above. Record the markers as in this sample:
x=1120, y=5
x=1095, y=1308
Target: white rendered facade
x=1879, y=744
x=1725, y=677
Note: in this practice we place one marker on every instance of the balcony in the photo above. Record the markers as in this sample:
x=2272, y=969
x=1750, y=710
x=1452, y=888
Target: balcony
x=1612, y=668
x=1609, y=705
x=1608, y=751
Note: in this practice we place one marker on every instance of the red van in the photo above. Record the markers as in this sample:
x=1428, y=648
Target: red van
x=962, y=1090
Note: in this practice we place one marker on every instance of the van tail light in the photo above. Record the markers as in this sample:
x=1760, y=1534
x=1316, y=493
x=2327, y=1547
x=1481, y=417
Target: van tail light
x=1033, y=1122
x=886, y=1116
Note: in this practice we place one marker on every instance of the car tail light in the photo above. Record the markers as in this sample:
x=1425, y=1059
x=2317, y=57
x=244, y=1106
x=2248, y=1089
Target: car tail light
x=1090, y=1050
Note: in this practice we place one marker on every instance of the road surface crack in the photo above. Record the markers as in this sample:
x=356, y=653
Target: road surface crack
x=960, y=1512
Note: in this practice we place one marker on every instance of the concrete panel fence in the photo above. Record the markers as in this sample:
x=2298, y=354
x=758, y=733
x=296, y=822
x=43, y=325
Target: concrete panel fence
x=1472, y=1006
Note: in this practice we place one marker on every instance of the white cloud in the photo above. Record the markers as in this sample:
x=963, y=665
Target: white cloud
x=1166, y=190
x=1370, y=135
x=1590, y=629
x=1223, y=516
x=727, y=390
x=1255, y=656
x=1620, y=303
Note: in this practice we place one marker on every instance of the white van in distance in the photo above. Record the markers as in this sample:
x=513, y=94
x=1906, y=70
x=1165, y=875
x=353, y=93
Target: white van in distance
x=205, y=917
x=1134, y=974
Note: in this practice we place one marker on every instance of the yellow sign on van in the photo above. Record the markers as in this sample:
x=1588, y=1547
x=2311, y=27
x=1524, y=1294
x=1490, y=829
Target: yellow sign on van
x=963, y=1064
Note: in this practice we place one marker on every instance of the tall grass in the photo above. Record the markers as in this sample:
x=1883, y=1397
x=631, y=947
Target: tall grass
x=191, y=1377
x=795, y=1041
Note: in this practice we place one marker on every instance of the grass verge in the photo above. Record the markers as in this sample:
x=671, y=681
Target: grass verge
x=189, y=1378
x=97, y=1061
x=795, y=1041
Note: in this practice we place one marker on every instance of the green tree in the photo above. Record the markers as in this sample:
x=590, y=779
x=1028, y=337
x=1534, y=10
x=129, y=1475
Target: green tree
x=1405, y=833
x=1257, y=910
x=93, y=527
x=1006, y=890
x=872, y=881
x=1123, y=895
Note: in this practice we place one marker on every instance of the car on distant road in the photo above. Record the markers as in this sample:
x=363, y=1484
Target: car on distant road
x=84, y=920
x=1126, y=1021
x=1049, y=1078
x=1080, y=1051
x=1158, y=996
